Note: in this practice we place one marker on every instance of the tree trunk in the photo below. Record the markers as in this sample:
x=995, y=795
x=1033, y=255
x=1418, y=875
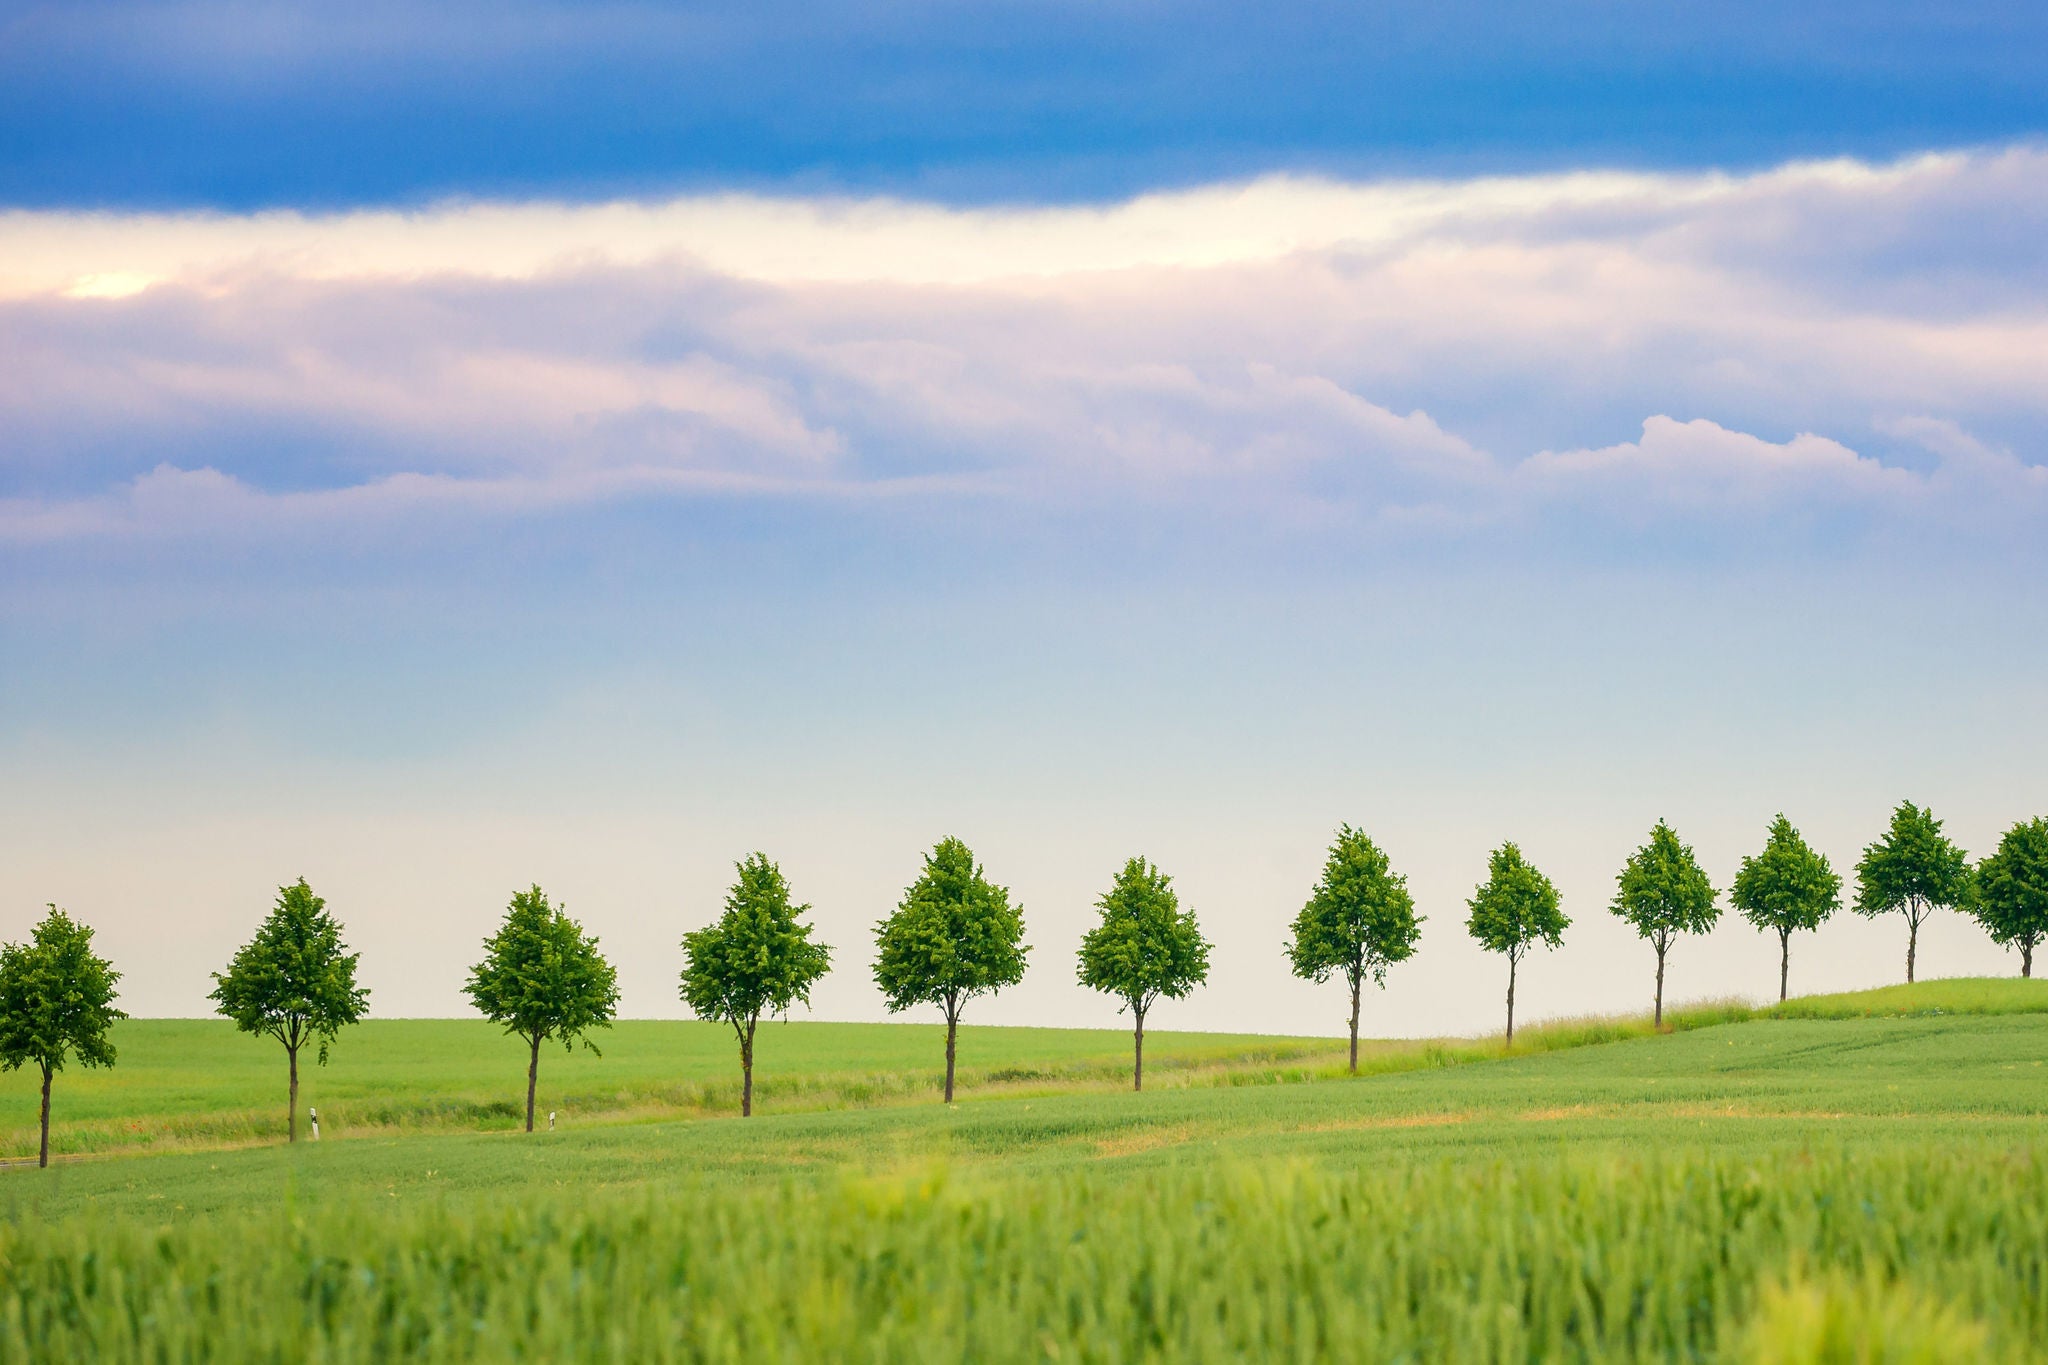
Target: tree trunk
x=1784, y=961
x=44, y=1158
x=1356, y=982
x=291, y=1124
x=532, y=1077
x=1138, y=1051
x=2027, y=958
x=1511, y=998
x=1912, y=943
x=952, y=1030
x=747, y=1072
x=1658, y=1021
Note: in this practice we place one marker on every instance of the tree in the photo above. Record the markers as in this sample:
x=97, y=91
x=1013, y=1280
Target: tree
x=1786, y=887
x=1663, y=893
x=56, y=1002
x=542, y=977
x=295, y=981
x=1358, y=921
x=1516, y=909
x=1913, y=868
x=758, y=958
x=1143, y=949
x=954, y=936
x=2011, y=899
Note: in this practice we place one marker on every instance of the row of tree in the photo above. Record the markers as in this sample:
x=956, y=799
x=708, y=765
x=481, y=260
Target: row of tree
x=957, y=935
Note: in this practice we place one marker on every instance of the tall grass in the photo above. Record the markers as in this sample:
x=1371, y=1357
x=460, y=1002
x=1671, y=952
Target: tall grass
x=1659, y=1258
x=1955, y=995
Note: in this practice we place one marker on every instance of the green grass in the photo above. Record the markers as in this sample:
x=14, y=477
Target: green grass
x=184, y=1083
x=1959, y=995
x=1754, y=1185
x=1744, y=1087
x=197, y=1084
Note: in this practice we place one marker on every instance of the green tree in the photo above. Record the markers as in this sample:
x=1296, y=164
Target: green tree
x=1663, y=893
x=954, y=936
x=758, y=958
x=2012, y=890
x=1513, y=911
x=1358, y=921
x=542, y=977
x=295, y=981
x=56, y=1002
x=1143, y=949
x=1787, y=887
x=1913, y=869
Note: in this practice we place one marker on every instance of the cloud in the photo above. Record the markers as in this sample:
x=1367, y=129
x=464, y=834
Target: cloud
x=800, y=240
x=1413, y=358
x=1698, y=462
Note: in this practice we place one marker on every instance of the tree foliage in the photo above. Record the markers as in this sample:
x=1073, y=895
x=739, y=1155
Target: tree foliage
x=1663, y=892
x=1143, y=948
x=758, y=959
x=2011, y=899
x=954, y=936
x=56, y=1003
x=1912, y=869
x=1787, y=887
x=295, y=981
x=1359, y=920
x=1515, y=909
x=543, y=978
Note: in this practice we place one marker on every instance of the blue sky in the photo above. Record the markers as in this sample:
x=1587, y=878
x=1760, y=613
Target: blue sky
x=444, y=449
x=241, y=105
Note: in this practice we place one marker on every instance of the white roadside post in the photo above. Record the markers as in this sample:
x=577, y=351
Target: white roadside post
x=551, y=1120
x=313, y=1115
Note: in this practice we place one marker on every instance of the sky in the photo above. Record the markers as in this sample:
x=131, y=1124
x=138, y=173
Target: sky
x=446, y=449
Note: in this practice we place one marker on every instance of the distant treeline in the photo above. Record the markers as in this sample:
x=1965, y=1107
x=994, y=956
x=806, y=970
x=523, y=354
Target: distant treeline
x=957, y=935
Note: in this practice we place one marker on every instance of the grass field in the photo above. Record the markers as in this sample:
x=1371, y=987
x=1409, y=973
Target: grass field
x=1736, y=1189
x=196, y=1083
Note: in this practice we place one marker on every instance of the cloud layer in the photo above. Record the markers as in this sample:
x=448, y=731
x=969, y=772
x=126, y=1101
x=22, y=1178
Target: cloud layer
x=1827, y=348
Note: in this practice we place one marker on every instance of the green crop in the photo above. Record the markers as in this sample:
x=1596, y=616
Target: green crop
x=1650, y=1258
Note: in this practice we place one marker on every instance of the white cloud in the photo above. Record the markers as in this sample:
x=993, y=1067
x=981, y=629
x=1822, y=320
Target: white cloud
x=1700, y=463
x=790, y=240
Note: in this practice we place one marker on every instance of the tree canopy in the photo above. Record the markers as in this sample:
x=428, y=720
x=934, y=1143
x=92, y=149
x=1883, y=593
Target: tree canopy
x=758, y=958
x=295, y=981
x=1515, y=909
x=1143, y=948
x=954, y=936
x=542, y=977
x=1663, y=892
x=1912, y=869
x=1787, y=887
x=2011, y=899
x=56, y=1003
x=1359, y=919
